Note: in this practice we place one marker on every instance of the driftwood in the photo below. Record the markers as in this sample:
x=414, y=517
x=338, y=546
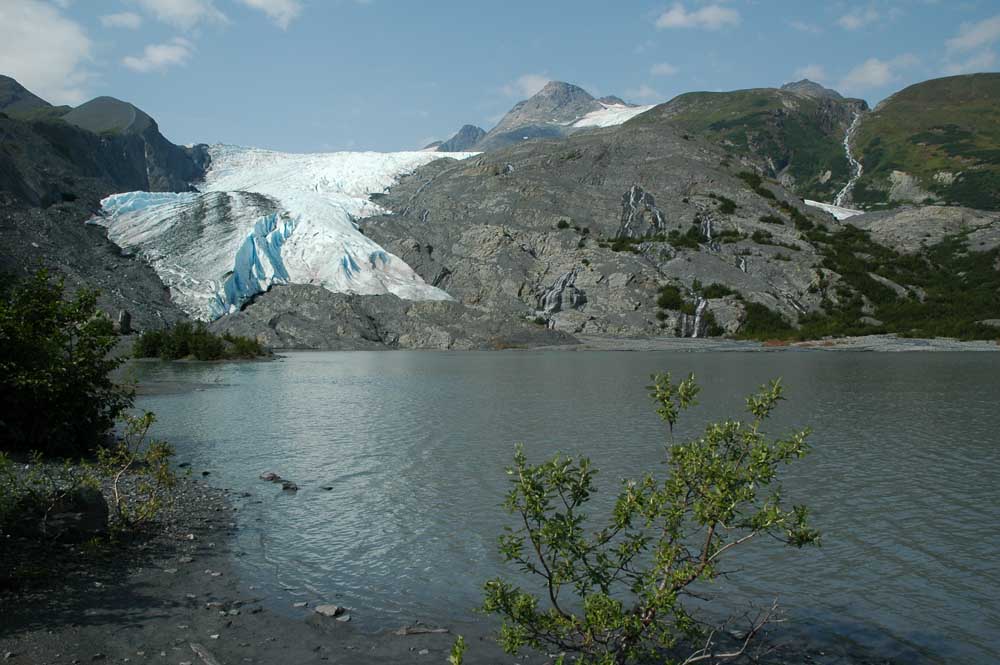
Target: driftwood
x=419, y=630
x=203, y=653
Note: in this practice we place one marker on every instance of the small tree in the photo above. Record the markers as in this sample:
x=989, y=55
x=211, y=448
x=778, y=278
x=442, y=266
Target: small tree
x=615, y=595
x=56, y=395
x=139, y=472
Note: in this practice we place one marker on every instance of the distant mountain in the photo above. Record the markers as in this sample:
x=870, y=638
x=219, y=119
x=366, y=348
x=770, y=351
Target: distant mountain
x=809, y=88
x=467, y=137
x=554, y=112
x=56, y=164
x=936, y=141
x=107, y=115
x=15, y=98
x=796, y=133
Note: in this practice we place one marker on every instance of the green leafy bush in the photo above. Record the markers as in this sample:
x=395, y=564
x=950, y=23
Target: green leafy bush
x=716, y=290
x=669, y=297
x=615, y=595
x=186, y=340
x=56, y=395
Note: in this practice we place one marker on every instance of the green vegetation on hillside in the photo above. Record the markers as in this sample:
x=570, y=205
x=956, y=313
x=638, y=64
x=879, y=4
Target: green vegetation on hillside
x=945, y=291
x=186, y=340
x=944, y=126
x=792, y=131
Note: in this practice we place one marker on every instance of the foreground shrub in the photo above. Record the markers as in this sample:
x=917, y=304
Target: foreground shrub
x=614, y=595
x=138, y=471
x=186, y=340
x=56, y=395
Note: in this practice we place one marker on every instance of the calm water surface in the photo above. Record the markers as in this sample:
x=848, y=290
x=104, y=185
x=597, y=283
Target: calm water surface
x=904, y=477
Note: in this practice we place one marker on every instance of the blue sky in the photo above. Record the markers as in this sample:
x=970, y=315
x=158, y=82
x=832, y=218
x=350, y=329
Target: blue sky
x=316, y=75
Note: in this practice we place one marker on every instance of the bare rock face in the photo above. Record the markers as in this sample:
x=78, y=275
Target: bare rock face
x=583, y=232
x=908, y=230
x=309, y=317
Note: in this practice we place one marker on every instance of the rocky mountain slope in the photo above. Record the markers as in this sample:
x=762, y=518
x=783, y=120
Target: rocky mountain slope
x=797, y=131
x=685, y=220
x=646, y=229
x=302, y=316
x=936, y=141
x=53, y=175
x=464, y=140
x=15, y=98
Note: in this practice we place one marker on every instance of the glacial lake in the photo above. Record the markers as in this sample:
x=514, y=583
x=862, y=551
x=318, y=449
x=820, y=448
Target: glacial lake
x=903, y=478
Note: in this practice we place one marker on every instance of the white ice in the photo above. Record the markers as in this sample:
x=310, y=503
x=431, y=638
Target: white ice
x=610, y=115
x=219, y=247
x=839, y=213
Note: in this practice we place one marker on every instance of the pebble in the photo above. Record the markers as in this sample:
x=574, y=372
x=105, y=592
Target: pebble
x=170, y=571
x=423, y=652
x=215, y=636
x=185, y=559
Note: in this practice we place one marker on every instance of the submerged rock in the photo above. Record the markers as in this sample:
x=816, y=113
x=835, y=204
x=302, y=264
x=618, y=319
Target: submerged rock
x=329, y=610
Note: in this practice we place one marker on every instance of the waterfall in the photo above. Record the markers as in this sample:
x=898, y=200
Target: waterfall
x=699, y=310
x=856, y=166
x=743, y=264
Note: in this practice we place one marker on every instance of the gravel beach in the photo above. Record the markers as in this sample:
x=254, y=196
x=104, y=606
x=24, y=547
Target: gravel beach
x=173, y=598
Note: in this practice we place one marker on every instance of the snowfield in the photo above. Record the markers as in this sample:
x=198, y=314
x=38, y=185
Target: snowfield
x=838, y=212
x=610, y=115
x=264, y=218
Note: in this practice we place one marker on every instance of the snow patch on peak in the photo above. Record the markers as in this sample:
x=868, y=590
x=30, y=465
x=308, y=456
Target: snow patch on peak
x=610, y=115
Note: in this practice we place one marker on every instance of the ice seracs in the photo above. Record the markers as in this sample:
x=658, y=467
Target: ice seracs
x=265, y=218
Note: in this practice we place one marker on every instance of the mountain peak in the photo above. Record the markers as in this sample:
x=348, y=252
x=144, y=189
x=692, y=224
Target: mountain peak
x=109, y=115
x=808, y=88
x=467, y=136
x=15, y=98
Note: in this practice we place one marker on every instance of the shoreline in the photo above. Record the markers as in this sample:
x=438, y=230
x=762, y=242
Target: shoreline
x=174, y=597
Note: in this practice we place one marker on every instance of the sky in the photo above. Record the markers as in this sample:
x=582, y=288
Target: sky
x=323, y=75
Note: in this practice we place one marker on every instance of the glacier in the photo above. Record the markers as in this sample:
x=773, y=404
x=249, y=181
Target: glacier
x=264, y=218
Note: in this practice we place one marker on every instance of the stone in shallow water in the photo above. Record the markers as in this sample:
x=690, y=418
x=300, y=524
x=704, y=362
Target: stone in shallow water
x=329, y=610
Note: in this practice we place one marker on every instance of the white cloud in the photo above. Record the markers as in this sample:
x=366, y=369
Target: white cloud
x=644, y=93
x=858, y=19
x=976, y=35
x=663, y=69
x=811, y=72
x=802, y=26
x=874, y=73
x=980, y=62
x=525, y=86
x=711, y=17
x=184, y=13
x=160, y=57
x=45, y=51
x=129, y=20
x=282, y=12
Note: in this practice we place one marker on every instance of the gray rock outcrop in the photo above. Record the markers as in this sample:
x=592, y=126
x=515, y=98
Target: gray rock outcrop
x=299, y=316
